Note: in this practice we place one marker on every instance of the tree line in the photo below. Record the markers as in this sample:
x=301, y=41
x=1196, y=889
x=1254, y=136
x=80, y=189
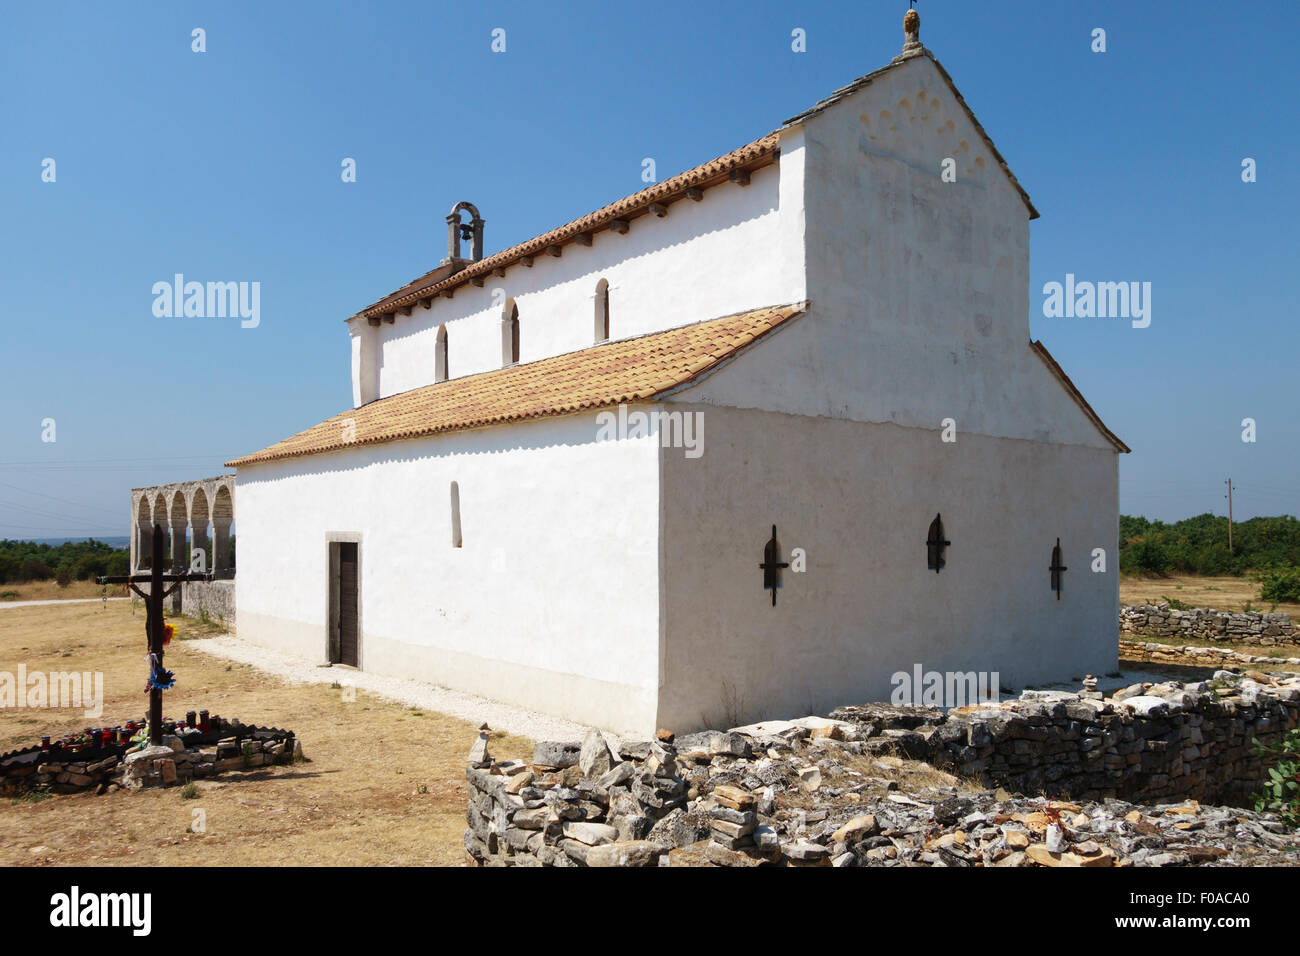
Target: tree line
x=1266, y=549
x=22, y=561
x=1199, y=545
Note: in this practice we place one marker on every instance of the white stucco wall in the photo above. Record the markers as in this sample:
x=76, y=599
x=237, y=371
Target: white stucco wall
x=618, y=583
x=919, y=313
x=859, y=498
x=552, y=602
x=738, y=248
x=919, y=288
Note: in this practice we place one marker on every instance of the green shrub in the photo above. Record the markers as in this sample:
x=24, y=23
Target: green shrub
x=1147, y=555
x=1281, y=794
x=34, y=569
x=1279, y=584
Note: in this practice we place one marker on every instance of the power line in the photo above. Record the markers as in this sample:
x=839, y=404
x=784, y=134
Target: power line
x=75, y=504
x=95, y=461
x=25, y=510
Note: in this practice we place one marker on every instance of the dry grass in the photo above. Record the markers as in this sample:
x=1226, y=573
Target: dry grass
x=51, y=591
x=1221, y=593
x=876, y=770
x=911, y=775
x=383, y=783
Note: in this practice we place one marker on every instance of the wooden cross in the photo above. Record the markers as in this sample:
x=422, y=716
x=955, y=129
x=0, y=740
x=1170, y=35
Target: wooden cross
x=1056, y=568
x=934, y=545
x=772, y=567
x=153, y=602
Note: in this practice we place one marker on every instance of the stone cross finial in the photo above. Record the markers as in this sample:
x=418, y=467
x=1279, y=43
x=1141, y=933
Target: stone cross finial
x=911, y=31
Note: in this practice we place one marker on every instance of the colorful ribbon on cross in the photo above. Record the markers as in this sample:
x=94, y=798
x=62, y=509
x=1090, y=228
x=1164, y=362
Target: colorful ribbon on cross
x=159, y=677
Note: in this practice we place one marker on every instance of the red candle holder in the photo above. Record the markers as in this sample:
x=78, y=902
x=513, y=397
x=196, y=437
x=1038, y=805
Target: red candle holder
x=45, y=743
x=204, y=722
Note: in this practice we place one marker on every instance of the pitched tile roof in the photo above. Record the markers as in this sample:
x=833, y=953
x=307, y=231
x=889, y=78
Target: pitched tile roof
x=628, y=370
x=761, y=152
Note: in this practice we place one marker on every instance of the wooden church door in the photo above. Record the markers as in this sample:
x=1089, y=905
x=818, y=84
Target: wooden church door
x=348, y=603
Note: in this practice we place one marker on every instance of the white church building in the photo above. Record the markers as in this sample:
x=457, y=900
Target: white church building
x=574, y=468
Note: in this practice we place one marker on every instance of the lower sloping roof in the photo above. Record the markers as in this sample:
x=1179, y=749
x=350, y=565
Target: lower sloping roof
x=628, y=370
x=1040, y=350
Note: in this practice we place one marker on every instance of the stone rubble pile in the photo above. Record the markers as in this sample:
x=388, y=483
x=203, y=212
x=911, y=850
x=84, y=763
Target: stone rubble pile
x=172, y=763
x=837, y=791
x=1203, y=623
x=133, y=768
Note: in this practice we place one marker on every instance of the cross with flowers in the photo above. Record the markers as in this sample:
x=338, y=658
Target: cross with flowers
x=158, y=631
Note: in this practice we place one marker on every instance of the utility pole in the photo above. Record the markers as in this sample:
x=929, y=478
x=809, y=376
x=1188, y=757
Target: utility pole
x=1229, y=516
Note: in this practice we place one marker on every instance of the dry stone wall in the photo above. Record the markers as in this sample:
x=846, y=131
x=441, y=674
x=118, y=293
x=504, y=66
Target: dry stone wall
x=217, y=598
x=1193, y=656
x=111, y=768
x=1206, y=624
x=1035, y=782
x=1148, y=743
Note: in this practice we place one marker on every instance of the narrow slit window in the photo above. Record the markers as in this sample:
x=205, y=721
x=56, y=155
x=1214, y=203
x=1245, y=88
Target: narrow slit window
x=602, y=310
x=510, y=333
x=440, y=356
x=455, y=515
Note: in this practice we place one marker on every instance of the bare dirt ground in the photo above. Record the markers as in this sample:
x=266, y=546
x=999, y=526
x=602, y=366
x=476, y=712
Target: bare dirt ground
x=52, y=591
x=1221, y=593
x=383, y=783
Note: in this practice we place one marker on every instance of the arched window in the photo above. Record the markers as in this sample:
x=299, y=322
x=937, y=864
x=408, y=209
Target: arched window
x=455, y=515
x=440, y=355
x=510, y=333
x=602, y=310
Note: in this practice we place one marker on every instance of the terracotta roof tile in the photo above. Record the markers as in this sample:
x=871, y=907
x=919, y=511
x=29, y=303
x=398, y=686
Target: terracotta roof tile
x=628, y=370
x=759, y=153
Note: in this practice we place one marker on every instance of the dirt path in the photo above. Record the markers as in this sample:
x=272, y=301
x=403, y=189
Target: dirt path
x=384, y=781
x=9, y=604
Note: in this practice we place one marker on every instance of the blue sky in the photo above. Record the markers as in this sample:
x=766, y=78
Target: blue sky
x=225, y=165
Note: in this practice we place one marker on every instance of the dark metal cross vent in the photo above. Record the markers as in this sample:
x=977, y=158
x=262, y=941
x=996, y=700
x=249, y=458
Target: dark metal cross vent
x=772, y=566
x=1056, y=568
x=934, y=546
